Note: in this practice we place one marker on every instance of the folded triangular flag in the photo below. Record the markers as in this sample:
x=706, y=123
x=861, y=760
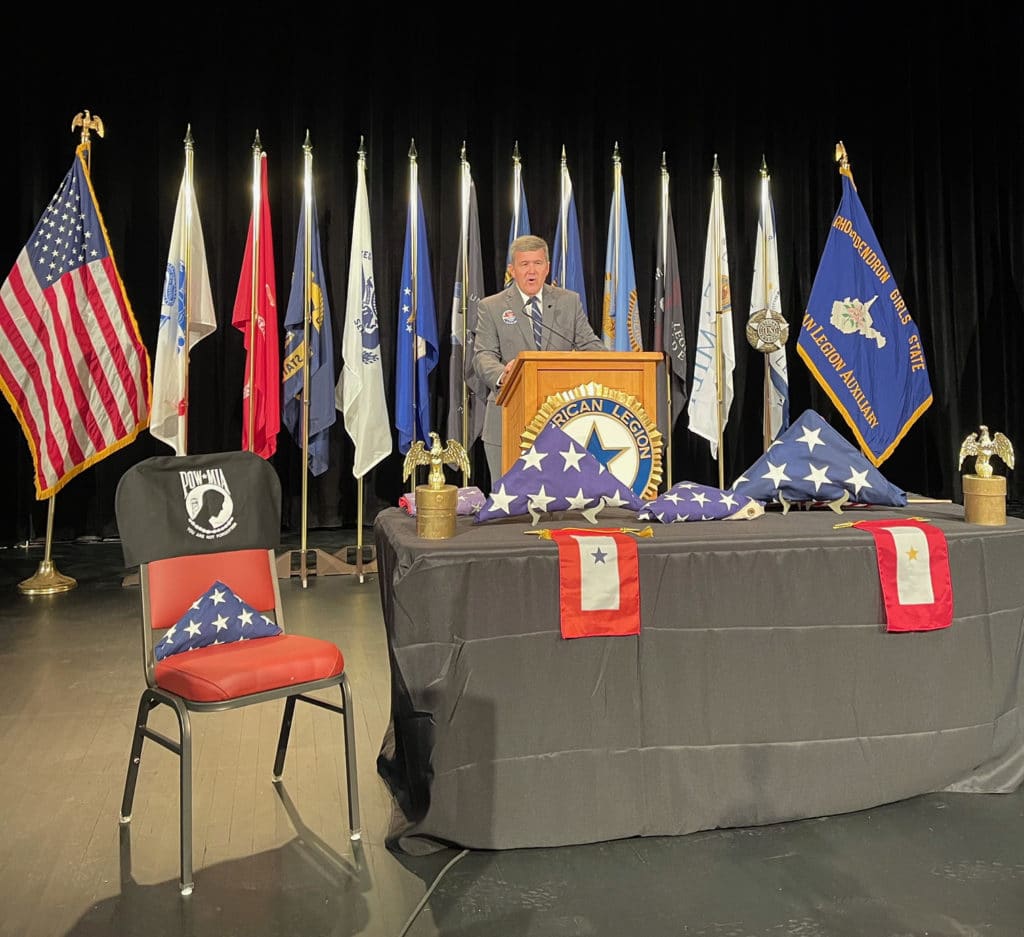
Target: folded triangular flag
x=810, y=461
x=689, y=501
x=913, y=566
x=598, y=583
x=556, y=474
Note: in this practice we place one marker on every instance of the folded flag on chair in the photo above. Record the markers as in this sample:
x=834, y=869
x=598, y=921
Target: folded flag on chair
x=599, y=582
x=218, y=616
x=913, y=565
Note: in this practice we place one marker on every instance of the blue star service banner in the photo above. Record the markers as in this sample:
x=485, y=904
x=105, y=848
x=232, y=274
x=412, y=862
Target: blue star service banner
x=858, y=338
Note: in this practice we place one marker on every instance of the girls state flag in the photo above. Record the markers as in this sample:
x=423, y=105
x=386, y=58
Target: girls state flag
x=599, y=583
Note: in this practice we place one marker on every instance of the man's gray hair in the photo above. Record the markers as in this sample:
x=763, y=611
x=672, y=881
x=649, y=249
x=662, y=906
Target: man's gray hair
x=528, y=242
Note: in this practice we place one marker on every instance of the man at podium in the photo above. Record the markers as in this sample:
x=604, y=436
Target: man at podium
x=528, y=315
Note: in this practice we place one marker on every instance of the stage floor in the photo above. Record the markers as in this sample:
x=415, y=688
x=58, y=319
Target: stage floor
x=275, y=861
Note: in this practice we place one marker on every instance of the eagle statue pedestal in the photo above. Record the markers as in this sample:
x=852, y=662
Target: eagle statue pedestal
x=435, y=511
x=985, y=500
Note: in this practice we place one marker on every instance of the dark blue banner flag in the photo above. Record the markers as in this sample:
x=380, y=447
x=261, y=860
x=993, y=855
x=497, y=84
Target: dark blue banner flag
x=417, y=333
x=320, y=356
x=858, y=338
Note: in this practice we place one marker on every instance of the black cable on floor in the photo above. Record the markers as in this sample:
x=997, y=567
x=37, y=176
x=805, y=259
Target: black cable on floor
x=433, y=885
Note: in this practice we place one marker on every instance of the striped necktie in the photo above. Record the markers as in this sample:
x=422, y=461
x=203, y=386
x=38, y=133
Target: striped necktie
x=535, y=316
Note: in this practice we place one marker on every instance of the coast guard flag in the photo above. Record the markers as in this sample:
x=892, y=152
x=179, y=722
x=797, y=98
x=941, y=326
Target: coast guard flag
x=669, y=331
x=598, y=583
x=262, y=376
x=469, y=283
x=715, y=303
x=567, y=259
x=857, y=336
x=72, y=364
x=187, y=294
x=765, y=294
x=913, y=567
x=359, y=393
x=417, y=333
x=319, y=358
x=520, y=223
x=621, y=314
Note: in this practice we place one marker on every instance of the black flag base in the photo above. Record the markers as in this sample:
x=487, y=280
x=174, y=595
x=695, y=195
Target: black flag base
x=317, y=562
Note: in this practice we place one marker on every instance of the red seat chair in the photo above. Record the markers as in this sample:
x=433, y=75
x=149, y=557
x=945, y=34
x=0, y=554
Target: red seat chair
x=178, y=563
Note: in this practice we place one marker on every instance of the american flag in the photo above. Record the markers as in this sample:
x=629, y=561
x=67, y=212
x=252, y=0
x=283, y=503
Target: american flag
x=557, y=474
x=811, y=462
x=690, y=501
x=72, y=363
x=218, y=616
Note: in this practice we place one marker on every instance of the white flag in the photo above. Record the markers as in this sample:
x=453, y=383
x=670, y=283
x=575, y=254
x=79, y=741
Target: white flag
x=359, y=393
x=765, y=295
x=715, y=296
x=186, y=295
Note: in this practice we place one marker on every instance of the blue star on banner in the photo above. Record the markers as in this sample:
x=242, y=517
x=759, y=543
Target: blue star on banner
x=689, y=501
x=810, y=461
x=218, y=616
x=556, y=474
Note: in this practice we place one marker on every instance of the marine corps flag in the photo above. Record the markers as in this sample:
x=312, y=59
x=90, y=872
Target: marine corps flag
x=857, y=336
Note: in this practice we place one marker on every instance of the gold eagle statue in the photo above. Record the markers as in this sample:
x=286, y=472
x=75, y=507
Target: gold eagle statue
x=452, y=454
x=983, y=447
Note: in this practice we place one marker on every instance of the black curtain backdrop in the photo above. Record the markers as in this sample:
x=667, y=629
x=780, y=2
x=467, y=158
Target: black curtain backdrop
x=929, y=108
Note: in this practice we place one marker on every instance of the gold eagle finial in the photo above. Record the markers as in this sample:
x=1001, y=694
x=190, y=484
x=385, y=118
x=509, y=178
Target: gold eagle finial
x=452, y=454
x=983, y=447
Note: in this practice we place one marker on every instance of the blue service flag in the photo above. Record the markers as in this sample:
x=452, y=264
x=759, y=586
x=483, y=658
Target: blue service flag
x=322, y=412
x=567, y=259
x=417, y=335
x=621, y=314
x=858, y=338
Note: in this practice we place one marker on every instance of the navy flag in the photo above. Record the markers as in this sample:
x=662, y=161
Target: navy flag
x=858, y=338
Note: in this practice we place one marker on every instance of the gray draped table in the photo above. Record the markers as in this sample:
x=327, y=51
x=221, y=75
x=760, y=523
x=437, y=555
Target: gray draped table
x=762, y=687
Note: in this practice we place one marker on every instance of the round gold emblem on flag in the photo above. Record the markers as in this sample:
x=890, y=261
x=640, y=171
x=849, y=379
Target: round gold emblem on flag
x=767, y=330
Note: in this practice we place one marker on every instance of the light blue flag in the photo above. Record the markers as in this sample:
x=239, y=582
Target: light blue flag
x=620, y=311
x=417, y=333
x=857, y=336
x=320, y=360
x=520, y=223
x=567, y=259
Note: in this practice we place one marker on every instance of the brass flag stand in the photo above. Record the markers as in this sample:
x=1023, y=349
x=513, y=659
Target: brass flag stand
x=47, y=579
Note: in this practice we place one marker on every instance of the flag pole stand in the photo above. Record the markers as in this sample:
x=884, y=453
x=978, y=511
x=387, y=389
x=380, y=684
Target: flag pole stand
x=359, y=559
x=47, y=580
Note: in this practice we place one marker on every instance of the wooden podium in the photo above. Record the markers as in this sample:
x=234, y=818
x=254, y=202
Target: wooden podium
x=537, y=375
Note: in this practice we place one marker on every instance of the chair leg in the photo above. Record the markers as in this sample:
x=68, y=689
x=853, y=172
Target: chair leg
x=351, y=777
x=282, y=739
x=146, y=704
x=185, y=797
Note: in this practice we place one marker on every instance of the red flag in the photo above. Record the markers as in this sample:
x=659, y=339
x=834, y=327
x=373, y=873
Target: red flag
x=599, y=583
x=913, y=565
x=72, y=363
x=262, y=381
